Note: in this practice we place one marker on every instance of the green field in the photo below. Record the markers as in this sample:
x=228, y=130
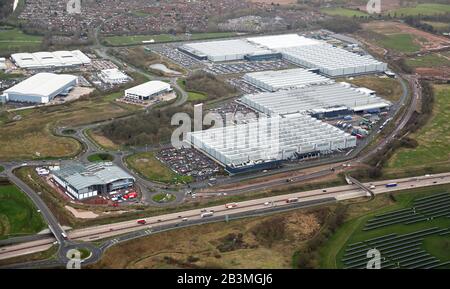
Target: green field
x=439, y=26
x=387, y=88
x=18, y=216
x=433, y=138
x=137, y=39
x=430, y=60
x=192, y=95
x=100, y=157
x=352, y=230
x=421, y=9
x=14, y=40
x=344, y=12
x=151, y=168
x=163, y=198
x=2, y=169
x=400, y=42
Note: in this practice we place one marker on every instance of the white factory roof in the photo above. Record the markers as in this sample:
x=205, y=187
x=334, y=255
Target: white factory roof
x=149, y=88
x=224, y=49
x=332, y=60
x=113, y=73
x=50, y=59
x=312, y=99
x=42, y=84
x=282, y=41
x=285, y=79
x=266, y=139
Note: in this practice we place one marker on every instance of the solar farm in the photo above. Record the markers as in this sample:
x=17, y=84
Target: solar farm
x=404, y=250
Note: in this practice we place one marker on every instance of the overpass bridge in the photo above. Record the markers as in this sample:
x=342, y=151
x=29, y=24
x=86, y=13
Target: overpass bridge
x=352, y=181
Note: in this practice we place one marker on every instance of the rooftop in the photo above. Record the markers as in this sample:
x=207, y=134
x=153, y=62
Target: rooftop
x=224, y=48
x=282, y=41
x=50, y=59
x=82, y=176
x=266, y=139
x=149, y=88
x=285, y=79
x=313, y=99
x=42, y=84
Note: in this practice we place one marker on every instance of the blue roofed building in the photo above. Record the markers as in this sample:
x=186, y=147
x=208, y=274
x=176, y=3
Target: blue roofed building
x=85, y=181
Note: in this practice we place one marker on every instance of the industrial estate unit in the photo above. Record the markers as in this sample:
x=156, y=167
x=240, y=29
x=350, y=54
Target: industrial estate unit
x=85, y=181
x=148, y=90
x=50, y=60
x=40, y=88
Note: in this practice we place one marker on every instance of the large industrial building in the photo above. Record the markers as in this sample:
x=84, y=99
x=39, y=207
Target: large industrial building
x=332, y=61
x=86, y=181
x=300, y=50
x=225, y=50
x=276, y=42
x=148, y=90
x=319, y=100
x=41, y=88
x=284, y=79
x=267, y=141
x=50, y=60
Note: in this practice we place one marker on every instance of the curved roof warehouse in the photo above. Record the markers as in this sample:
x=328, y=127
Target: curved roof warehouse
x=41, y=88
x=85, y=181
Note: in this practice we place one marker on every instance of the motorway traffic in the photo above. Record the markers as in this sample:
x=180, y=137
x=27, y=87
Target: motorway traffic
x=223, y=212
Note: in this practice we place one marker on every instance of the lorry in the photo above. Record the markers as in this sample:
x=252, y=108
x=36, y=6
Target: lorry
x=231, y=205
x=292, y=200
x=142, y=222
x=391, y=185
x=131, y=195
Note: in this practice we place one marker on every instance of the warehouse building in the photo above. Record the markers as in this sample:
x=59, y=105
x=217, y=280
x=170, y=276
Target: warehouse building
x=332, y=61
x=320, y=100
x=148, y=90
x=113, y=76
x=267, y=141
x=285, y=79
x=50, y=60
x=86, y=181
x=224, y=50
x=276, y=42
x=41, y=88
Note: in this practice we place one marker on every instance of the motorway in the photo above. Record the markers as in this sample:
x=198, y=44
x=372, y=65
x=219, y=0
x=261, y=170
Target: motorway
x=260, y=206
